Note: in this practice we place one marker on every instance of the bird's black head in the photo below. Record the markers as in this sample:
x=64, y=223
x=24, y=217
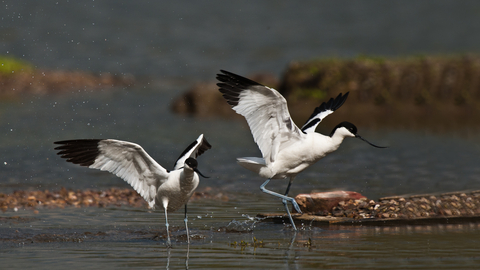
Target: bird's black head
x=352, y=132
x=349, y=126
x=192, y=163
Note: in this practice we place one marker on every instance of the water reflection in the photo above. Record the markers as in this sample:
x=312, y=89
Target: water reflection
x=267, y=246
x=169, y=250
x=290, y=247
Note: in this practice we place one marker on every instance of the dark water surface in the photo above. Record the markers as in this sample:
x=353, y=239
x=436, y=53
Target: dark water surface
x=191, y=41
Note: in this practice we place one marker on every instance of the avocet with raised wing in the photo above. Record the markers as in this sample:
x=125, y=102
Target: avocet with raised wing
x=286, y=149
x=169, y=190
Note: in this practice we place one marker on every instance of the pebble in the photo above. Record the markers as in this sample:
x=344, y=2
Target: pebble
x=85, y=198
x=461, y=204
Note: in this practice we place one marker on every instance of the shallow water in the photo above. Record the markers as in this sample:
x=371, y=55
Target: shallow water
x=175, y=44
x=129, y=241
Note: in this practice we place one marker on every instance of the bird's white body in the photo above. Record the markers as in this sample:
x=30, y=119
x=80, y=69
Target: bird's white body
x=160, y=188
x=177, y=190
x=286, y=149
x=295, y=157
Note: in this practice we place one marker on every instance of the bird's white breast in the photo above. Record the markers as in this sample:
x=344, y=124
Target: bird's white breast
x=177, y=190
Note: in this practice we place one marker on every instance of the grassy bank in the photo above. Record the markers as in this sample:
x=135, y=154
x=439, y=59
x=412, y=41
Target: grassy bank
x=441, y=92
x=19, y=77
x=434, y=92
x=9, y=65
x=423, y=80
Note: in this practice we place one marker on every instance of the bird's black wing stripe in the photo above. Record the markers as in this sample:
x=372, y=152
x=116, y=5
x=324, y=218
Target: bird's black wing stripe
x=186, y=151
x=311, y=124
x=204, y=146
x=331, y=104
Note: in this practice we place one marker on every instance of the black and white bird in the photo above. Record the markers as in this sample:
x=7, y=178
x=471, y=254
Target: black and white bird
x=286, y=149
x=169, y=190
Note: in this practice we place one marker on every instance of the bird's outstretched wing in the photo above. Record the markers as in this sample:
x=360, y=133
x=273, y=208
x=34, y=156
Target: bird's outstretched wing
x=323, y=111
x=265, y=110
x=194, y=150
x=125, y=159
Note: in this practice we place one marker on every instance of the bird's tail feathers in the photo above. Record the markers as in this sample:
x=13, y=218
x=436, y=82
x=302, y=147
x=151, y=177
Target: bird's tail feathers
x=254, y=164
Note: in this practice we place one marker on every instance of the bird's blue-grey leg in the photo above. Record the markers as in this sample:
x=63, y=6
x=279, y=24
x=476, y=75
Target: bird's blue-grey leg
x=283, y=197
x=284, y=200
x=289, y=215
x=188, y=256
x=186, y=226
x=286, y=194
x=169, y=243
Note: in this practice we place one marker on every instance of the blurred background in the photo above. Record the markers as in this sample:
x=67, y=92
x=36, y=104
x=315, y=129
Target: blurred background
x=113, y=69
x=193, y=40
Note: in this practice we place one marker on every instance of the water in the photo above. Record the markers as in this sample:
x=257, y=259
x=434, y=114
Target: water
x=176, y=44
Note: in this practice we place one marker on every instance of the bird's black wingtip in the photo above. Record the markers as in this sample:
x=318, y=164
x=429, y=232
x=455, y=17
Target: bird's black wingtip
x=235, y=79
x=339, y=101
x=224, y=71
x=82, y=151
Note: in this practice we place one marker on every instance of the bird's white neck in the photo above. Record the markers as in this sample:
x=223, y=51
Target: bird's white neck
x=188, y=174
x=338, y=136
x=189, y=181
x=336, y=141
